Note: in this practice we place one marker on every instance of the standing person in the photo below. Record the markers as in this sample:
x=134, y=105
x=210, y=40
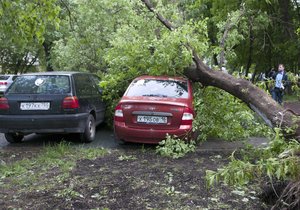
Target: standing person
x=271, y=73
x=280, y=80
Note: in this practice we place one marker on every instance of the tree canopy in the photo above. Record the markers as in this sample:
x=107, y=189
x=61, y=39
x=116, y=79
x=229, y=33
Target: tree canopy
x=245, y=36
x=24, y=25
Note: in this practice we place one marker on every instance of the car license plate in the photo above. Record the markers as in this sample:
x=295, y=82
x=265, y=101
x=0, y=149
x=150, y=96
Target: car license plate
x=35, y=105
x=152, y=119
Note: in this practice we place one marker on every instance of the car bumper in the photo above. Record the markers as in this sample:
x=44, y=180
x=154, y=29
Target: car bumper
x=25, y=124
x=148, y=136
x=3, y=89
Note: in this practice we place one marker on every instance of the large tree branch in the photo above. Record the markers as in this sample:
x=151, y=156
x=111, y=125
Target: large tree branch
x=164, y=21
x=69, y=13
x=257, y=99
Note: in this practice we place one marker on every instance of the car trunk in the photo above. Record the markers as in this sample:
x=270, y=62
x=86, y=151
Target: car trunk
x=160, y=115
x=35, y=104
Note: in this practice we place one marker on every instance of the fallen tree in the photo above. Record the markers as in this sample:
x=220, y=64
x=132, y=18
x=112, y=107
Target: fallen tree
x=257, y=99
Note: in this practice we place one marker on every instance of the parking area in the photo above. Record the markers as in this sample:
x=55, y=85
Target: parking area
x=104, y=138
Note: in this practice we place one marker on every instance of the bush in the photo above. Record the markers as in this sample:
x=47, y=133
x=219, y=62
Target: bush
x=174, y=147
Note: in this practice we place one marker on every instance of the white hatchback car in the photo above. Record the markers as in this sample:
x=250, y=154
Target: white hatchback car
x=5, y=81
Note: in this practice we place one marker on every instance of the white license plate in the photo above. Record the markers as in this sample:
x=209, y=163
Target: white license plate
x=152, y=119
x=35, y=105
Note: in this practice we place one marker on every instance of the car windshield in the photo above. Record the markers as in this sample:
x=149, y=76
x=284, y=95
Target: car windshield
x=4, y=77
x=40, y=84
x=158, y=88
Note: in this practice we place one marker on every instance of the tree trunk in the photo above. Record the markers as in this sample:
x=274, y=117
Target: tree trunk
x=47, y=47
x=251, y=41
x=257, y=99
x=286, y=18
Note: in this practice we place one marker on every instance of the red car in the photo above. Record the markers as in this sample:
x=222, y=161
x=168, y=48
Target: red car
x=152, y=107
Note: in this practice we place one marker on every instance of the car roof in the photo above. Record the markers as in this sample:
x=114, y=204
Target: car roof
x=161, y=78
x=8, y=75
x=68, y=73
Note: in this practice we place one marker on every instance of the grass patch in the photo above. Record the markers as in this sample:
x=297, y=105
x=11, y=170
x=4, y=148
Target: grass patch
x=53, y=163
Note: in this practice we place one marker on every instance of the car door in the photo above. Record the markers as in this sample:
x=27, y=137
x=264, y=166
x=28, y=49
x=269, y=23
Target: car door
x=89, y=95
x=97, y=97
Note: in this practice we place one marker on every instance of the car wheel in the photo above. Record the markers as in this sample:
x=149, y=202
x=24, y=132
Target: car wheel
x=90, y=130
x=14, y=137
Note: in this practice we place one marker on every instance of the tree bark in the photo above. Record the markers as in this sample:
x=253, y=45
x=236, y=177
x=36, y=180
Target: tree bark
x=251, y=42
x=287, y=22
x=47, y=48
x=257, y=99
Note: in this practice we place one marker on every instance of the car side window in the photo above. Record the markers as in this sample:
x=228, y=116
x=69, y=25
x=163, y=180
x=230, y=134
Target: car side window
x=83, y=85
x=96, y=81
x=3, y=77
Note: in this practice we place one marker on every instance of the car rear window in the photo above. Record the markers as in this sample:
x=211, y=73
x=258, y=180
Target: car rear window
x=158, y=88
x=40, y=84
x=3, y=77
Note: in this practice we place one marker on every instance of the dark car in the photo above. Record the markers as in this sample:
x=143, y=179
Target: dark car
x=52, y=102
x=153, y=107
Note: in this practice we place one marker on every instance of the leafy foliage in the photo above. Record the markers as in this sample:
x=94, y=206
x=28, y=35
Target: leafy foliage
x=174, y=147
x=258, y=40
x=279, y=161
x=113, y=87
x=219, y=114
x=23, y=20
x=145, y=47
x=25, y=25
x=90, y=29
x=294, y=82
x=86, y=42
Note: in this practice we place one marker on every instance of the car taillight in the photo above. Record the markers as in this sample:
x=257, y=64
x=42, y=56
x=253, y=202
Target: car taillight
x=119, y=113
x=3, y=83
x=70, y=102
x=4, y=103
x=187, y=117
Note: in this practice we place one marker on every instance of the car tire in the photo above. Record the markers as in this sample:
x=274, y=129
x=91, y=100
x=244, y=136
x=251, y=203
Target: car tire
x=90, y=130
x=14, y=137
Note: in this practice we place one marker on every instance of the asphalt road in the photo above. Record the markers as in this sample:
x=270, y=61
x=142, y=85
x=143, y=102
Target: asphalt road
x=104, y=138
